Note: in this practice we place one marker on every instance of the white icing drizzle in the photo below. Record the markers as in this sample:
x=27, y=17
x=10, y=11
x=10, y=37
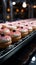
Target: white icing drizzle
x=30, y=28
x=6, y=31
x=16, y=35
x=23, y=30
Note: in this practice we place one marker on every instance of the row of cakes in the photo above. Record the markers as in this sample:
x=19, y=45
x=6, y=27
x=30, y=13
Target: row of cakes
x=11, y=32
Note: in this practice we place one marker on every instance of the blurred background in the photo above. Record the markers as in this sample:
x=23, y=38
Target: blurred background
x=11, y=10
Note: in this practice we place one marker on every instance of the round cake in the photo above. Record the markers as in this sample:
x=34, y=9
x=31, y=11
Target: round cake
x=5, y=41
x=16, y=35
x=23, y=31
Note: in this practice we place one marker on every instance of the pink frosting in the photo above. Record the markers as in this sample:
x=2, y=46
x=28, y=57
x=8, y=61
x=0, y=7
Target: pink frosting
x=16, y=33
x=24, y=29
x=7, y=38
x=5, y=31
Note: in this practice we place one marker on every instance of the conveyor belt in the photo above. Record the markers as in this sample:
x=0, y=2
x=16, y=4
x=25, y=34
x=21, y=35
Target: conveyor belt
x=6, y=53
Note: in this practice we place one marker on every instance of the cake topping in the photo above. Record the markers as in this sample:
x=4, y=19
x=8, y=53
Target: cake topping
x=2, y=28
x=22, y=27
x=18, y=23
x=2, y=34
x=14, y=30
x=26, y=25
x=31, y=22
x=10, y=24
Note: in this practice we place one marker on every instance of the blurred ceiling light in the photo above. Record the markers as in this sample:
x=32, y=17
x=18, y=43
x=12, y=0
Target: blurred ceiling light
x=8, y=17
x=13, y=3
x=22, y=10
x=17, y=10
x=8, y=9
x=34, y=6
x=24, y=5
x=33, y=59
